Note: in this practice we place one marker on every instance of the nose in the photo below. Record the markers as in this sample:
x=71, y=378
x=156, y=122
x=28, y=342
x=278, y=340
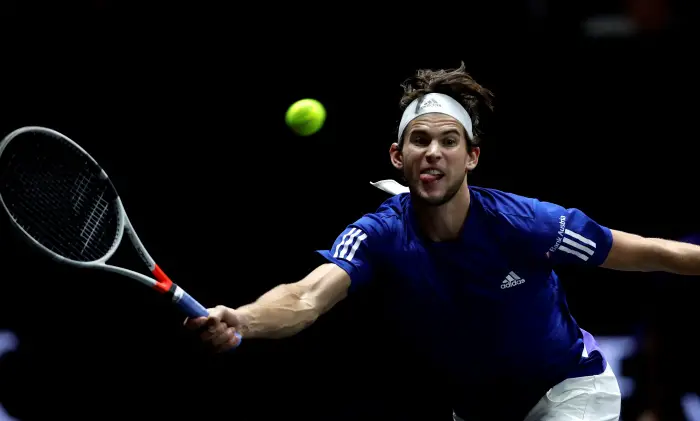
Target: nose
x=434, y=152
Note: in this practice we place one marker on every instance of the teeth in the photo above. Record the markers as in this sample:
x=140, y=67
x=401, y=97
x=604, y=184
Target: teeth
x=433, y=172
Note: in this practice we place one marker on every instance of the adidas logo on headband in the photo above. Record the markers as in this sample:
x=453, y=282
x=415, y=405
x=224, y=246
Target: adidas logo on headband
x=430, y=103
x=436, y=103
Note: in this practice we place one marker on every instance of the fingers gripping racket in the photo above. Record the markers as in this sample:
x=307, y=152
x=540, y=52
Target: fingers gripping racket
x=64, y=203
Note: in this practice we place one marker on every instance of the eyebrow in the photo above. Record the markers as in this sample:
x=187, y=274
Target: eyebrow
x=445, y=133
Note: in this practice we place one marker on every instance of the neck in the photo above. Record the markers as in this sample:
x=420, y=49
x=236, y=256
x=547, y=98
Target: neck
x=444, y=222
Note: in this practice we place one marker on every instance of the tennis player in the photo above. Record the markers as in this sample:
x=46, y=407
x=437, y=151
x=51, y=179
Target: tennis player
x=478, y=263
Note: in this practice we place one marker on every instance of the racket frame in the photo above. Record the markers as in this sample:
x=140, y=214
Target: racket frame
x=161, y=282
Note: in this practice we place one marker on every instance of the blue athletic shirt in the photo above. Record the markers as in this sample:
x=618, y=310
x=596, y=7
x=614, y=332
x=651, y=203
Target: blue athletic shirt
x=487, y=307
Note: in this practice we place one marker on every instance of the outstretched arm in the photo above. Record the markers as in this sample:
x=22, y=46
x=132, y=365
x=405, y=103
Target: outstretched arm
x=289, y=308
x=283, y=311
x=631, y=252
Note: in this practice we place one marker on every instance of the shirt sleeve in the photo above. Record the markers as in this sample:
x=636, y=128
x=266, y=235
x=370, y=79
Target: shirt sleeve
x=568, y=236
x=358, y=248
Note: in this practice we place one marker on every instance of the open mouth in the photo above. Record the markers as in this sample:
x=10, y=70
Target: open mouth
x=431, y=175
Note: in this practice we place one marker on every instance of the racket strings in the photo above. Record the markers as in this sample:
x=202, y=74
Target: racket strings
x=46, y=204
x=59, y=198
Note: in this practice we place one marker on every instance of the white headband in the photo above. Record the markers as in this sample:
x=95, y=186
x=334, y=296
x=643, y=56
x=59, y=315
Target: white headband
x=436, y=103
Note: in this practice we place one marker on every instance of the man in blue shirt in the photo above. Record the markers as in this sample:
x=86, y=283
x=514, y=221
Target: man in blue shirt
x=478, y=263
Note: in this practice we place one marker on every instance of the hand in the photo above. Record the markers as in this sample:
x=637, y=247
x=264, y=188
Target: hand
x=219, y=329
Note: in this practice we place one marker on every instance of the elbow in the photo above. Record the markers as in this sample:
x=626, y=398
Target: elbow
x=310, y=307
x=663, y=257
x=675, y=257
x=656, y=255
x=302, y=306
x=318, y=302
x=324, y=288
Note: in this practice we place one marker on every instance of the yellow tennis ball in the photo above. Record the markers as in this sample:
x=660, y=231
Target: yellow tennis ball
x=306, y=117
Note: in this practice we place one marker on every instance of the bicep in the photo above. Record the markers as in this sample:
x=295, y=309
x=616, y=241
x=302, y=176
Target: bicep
x=325, y=286
x=631, y=252
x=621, y=254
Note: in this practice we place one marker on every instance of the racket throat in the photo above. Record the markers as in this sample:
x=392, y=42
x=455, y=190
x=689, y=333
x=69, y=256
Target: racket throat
x=164, y=284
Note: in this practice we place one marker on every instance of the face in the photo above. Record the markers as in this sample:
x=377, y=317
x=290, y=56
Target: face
x=434, y=157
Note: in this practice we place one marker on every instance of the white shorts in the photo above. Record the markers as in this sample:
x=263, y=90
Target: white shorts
x=587, y=398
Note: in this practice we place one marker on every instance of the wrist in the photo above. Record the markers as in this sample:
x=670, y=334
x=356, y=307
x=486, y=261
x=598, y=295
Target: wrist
x=245, y=319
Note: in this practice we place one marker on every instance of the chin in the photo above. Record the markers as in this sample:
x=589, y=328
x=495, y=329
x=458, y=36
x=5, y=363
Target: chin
x=437, y=196
x=433, y=199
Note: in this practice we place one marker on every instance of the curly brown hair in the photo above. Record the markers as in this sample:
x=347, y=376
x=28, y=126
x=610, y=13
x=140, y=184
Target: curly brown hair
x=456, y=83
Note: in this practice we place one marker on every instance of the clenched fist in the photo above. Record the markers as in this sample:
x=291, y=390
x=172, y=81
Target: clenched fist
x=220, y=329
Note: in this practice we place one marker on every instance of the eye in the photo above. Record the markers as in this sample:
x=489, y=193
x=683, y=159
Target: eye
x=420, y=140
x=451, y=141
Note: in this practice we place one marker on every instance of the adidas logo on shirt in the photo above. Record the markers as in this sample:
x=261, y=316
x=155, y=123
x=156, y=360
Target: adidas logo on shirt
x=511, y=281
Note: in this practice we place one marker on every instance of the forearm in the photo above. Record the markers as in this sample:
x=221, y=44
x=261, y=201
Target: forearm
x=279, y=313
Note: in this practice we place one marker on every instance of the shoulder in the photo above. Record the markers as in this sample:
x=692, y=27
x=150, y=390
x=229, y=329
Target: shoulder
x=505, y=205
x=387, y=219
x=515, y=213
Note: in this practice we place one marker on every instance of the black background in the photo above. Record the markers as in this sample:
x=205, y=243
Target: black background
x=184, y=107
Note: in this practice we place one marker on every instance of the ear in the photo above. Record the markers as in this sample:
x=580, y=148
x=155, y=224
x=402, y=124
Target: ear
x=473, y=158
x=396, y=156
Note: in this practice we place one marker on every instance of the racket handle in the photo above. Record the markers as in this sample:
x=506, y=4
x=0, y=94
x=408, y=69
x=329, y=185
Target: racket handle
x=192, y=308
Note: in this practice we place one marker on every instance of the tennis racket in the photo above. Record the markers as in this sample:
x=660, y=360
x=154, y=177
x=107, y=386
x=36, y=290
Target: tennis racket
x=61, y=200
